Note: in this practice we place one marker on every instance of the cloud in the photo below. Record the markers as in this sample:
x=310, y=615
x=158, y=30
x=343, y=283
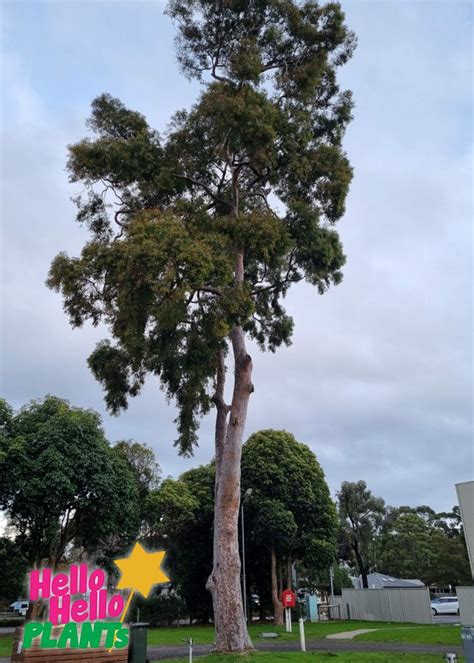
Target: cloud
x=379, y=377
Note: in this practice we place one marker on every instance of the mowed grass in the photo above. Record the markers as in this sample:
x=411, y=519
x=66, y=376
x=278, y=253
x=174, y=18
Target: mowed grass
x=204, y=635
x=322, y=657
x=440, y=634
x=437, y=634
x=6, y=642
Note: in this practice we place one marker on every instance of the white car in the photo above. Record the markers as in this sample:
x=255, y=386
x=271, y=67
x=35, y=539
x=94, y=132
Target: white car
x=20, y=606
x=445, y=605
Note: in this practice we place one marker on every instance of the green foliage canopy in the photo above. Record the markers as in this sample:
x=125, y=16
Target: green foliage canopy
x=61, y=482
x=361, y=516
x=180, y=517
x=290, y=507
x=254, y=168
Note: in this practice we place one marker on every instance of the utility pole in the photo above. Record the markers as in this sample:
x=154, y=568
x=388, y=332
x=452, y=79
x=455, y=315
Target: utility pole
x=248, y=492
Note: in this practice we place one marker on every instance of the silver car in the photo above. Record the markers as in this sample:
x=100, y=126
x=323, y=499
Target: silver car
x=445, y=605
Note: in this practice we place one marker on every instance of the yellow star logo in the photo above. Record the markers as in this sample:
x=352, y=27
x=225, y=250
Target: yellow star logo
x=141, y=570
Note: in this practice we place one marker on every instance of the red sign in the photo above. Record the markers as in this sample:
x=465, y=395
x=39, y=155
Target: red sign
x=288, y=598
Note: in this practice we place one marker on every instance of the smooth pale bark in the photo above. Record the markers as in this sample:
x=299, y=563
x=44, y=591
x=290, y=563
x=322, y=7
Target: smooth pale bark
x=277, y=605
x=224, y=581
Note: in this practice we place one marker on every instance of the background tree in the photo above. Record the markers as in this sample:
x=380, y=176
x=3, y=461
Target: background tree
x=416, y=542
x=13, y=569
x=202, y=256
x=319, y=580
x=450, y=563
x=289, y=514
x=179, y=517
x=62, y=483
x=361, y=517
x=407, y=549
x=140, y=458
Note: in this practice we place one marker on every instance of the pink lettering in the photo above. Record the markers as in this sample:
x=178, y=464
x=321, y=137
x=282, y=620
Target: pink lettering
x=40, y=584
x=96, y=580
x=59, y=584
x=59, y=609
x=116, y=604
x=79, y=610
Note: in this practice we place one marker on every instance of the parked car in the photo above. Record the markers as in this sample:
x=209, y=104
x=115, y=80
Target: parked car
x=445, y=605
x=20, y=606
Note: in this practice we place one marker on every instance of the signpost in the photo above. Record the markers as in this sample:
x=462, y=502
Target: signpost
x=288, y=599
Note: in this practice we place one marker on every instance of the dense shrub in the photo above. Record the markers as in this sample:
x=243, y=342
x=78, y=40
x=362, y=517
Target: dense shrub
x=160, y=610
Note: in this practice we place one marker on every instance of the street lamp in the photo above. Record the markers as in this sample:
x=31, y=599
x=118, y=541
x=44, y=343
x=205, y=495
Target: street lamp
x=248, y=492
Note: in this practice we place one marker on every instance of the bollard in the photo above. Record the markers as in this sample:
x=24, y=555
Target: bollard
x=451, y=658
x=138, y=643
x=190, y=642
x=302, y=638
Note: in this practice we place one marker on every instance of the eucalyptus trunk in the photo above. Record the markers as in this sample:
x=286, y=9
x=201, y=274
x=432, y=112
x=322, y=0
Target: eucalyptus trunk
x=224, y=582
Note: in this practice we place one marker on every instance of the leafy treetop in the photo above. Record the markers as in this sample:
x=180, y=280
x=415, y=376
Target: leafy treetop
x=61, y=482
x=205, y=228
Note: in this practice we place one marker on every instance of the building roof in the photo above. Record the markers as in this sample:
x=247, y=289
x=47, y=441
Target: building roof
x=384, y=581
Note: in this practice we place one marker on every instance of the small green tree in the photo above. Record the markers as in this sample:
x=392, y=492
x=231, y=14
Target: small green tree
x=196, y=239
x=290, y=513
x=407, y=550
x=361, y=517
x=450, y=562
x=419, y=543
x=142, y=462
x=179, y=516
x=62, y=483
x=13, y=569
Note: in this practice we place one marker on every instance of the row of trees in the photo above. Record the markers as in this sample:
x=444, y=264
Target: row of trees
x=406, y=542
x=69, y=495
x=289, y=515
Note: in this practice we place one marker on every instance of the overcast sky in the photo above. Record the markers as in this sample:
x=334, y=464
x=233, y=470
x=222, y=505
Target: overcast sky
x=378, y=380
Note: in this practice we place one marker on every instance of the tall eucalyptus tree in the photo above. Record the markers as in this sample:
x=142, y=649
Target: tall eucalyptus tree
x=197, y=236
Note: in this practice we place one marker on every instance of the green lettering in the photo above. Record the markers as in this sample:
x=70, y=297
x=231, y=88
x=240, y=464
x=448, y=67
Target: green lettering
x=32, y=631
x=47, y=641
x=121, y=638
x=69, y=638
x=110, y=627
x=91, y=635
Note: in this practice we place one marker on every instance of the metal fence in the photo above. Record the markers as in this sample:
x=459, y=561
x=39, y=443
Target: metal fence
x=388, y=605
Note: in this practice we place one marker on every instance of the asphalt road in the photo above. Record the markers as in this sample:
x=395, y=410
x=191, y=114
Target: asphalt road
x=166, y=653
x=447, y=619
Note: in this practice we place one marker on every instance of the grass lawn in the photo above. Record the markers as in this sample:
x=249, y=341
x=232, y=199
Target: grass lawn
x=6, y=645
x=323, y=657
x=440, y=634
x=204, y=635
